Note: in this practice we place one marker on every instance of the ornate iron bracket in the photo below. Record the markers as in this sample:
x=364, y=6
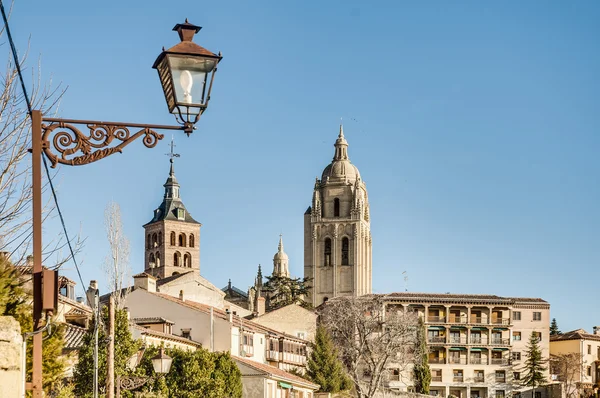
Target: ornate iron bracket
x=63, y=142
x=132, y=382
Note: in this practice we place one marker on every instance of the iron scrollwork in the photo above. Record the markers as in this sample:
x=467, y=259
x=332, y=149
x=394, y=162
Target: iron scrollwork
x=64, y=143
x=132, y=382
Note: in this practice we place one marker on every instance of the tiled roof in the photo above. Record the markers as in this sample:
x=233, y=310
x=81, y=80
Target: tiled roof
x=237, y=321
x=166, y=336
x=73, y=337
x=461, y=298
x=162, y=281
x=154, y=319
x=236, y=290
x=579, y=334
x=276, y=372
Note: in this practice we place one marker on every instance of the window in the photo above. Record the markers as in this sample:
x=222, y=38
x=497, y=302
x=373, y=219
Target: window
x=336, y=207
x=158, y=259
x=173, y=238
x=457, y=375
x=154, y=240
x=589, y=370
x=181, y=214
x=537, y=316
x=516, y=315
x=186, y=333
x=499, y=393
x=187, y=260
x=301, y=335
x=516, y=336
x=327, y=252
x=192, y=240
x=537, y=335
x=176, y=259
x=182, y=240
x=516, y=395
x=500, y=376
x=589, y=348
x=517, y=375
x=538, y=394
x=345, y=249
x=516, y=356
x=152, y=260
x=479, y=376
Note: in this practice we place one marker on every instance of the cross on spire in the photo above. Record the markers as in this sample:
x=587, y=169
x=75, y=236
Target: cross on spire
x=172, y=153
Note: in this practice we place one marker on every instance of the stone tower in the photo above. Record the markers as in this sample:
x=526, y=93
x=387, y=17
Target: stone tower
x=172, y=236
x=337, y=232
x=281, y=261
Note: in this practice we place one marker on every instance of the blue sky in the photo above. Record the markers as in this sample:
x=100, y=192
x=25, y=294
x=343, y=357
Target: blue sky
x=475, y=126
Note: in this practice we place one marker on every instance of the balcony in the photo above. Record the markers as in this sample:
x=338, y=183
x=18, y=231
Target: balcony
x=500, y=341
x=479, y=340
x=436, y=379
x=477, y=319
x=437, y=360
x=500, y=321
x=500, y=361
x=436, y=319
x=457, y=360
x=458, y=379
x=479, y=379
x=457, y=340
x=272, y=355
x=478, y=361
x=500, y=379
x=457, y=319
x=436, y=340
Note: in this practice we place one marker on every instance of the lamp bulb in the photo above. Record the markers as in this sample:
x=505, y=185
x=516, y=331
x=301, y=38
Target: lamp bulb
x=186, y=81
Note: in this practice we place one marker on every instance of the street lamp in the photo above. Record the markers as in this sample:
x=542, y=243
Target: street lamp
x=162, y=362
x=184, y=71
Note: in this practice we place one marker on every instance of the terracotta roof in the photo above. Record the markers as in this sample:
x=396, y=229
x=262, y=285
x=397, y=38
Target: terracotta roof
x=579, y=334
x=73, y=337
x=143, y=275
x=237, y=321
x=167, y=336
x=276, y=372
x=154, y=319
x=460, y=297
x=162, y=281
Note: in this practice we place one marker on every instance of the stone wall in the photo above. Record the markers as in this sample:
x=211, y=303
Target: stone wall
x=11, y=341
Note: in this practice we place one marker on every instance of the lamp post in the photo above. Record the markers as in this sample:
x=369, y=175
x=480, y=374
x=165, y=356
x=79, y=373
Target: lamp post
x=184, y=71
x=161, y=363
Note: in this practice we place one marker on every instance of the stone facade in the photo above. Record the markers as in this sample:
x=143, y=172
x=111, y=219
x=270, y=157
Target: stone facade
x=11, y=346
x=292, y=319
x=337, y=232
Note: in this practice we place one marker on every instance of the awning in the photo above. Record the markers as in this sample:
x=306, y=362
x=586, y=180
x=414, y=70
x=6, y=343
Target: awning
x=500, y=328
x=457, y=327
x=458, y=348
x=436, y=328
x=284, y=385
x=499, y=349
x=478, y=328
x=478, y=349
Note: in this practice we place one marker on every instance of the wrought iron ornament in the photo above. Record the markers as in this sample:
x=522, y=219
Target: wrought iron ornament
x=133, y=382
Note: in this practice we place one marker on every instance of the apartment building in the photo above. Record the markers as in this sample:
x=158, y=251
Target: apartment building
x=477, y=343
x=585, y=376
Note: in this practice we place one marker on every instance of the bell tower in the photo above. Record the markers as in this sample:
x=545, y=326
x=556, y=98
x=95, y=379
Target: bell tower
x=172, y=236
x=337, y=231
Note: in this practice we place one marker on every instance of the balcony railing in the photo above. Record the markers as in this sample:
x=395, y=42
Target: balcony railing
x=499, y=361
x=478, y=379
x=457, y=319
x=437, y=360
x=436, y=319
x=457, y=360
x=500, y=321
x=436, y=378
x=478, y=361
x=479, y=340
x=458, y=379
x=500, y=341
x=476, y=319
x=436, y=339
x=500, y=379
x=273, y=355
x=457, y=340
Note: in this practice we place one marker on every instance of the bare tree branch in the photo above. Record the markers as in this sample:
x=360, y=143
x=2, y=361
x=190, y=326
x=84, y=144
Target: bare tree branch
x=116, y=264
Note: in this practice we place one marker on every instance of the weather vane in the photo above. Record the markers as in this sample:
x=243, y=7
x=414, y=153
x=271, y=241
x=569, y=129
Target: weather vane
x=172, y=154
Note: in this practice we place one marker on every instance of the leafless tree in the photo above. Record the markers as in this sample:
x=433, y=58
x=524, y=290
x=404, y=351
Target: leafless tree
x=116, y=264
x=370, y=341
x=568, y=368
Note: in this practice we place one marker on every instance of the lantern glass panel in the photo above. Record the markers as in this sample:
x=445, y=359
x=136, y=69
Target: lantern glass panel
x=189, y=79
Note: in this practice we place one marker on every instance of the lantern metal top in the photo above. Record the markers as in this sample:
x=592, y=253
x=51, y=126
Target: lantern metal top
x=161, y=362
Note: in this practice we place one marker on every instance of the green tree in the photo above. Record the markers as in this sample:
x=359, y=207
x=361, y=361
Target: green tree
x=324, y=368
x=534, y=364
x=283, y=291
x=554, y=328
x=16, y=301
x=421, y=371
x=227, y=370
x=125, y=347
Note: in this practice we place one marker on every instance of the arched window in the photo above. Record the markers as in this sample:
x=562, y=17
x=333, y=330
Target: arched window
x=192, y=240
x=158, y=259
x=173, y=237
x=345, y=249
x=336, y=207
x=187, y=260
x=160, y=239
x=148, y=244
x=176, y=259
x=327, y=252
x=151, y=260
x=154, y=240
x=325, y=299
x=182, y=240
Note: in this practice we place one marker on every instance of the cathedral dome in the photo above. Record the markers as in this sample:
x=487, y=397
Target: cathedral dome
x=340, y=167
x=280, y=255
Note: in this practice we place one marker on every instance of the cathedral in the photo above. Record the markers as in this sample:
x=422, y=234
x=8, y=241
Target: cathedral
x=337, y=232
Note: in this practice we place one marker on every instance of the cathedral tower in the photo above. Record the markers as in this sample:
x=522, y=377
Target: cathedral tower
x=172, y=236
x=337, y=232
x=281, y=261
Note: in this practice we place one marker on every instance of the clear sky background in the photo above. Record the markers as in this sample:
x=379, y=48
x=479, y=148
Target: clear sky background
x=475, y=126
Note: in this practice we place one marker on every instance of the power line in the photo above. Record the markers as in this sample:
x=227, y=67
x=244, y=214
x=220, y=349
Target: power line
x=28, y=101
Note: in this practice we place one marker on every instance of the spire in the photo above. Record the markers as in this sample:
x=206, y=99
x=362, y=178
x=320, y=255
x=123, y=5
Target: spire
x=280, y=243
x=341, y=146
x=172, y=186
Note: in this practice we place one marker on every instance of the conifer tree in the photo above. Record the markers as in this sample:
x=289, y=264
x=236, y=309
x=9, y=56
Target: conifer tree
x=421, y=371
x=324, y=367
x=534, y=365
x=554, y=328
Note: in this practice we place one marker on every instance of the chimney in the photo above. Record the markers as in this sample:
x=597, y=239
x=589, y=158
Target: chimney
x=229, y=315
x=181, y=295
x=144, y=281
x=597, y=330
x=80, y=300
x=260, y=306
